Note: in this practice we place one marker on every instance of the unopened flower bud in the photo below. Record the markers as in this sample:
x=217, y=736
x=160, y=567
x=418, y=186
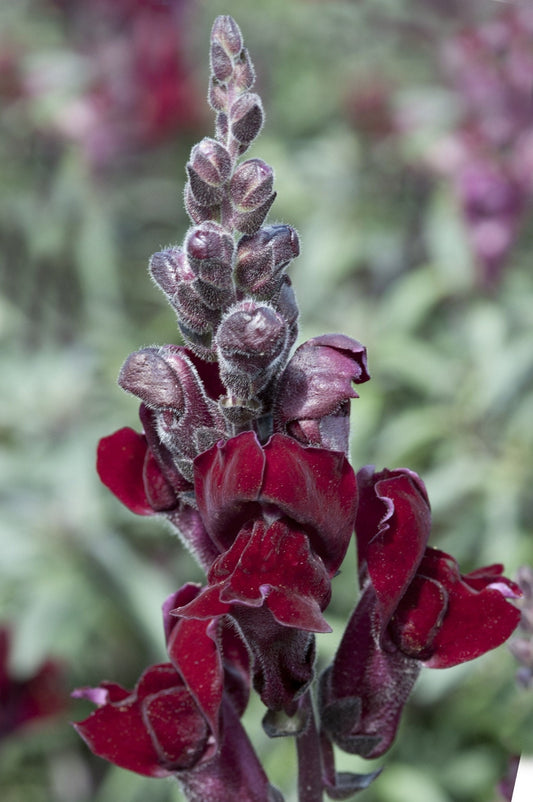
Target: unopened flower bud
x=261, y=258
x=221, y=63
x=250, y=222
x=192, y=309
x=163, y=269
x=209, y=250
x=200, y=343
x=217, y=96
x=227, y=34
x=209, y=168
x=197, y=212
x=148, y=376
x=285, y=303
x=243, y=72
x=251, y=185
x=246, y=116
x=251, y=343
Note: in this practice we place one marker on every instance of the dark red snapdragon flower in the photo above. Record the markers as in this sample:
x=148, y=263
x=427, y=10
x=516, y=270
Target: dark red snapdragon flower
x=182, y=718
x=29, y=700
x=244, y=449
x=416, y=609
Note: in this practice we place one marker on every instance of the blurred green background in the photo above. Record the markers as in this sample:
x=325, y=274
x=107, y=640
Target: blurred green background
x=366, y=113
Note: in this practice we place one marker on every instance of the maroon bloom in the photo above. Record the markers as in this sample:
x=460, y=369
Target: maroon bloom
x=423, y=603
x=313, y=399
x=416, y=609
x=182, y=718
x=272, y=580
x=272, y=585
x=240, y=480
x=25, y=701
x=138, y=730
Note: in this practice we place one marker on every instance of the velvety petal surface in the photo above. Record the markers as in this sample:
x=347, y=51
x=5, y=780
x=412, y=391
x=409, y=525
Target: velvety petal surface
x=239, y=480
x=154, y=731
x=364, y=692
x=234, y=774
x=319, y=378
x=392, y=526
x=120, y=464
x=271, y=565
x=477, y=619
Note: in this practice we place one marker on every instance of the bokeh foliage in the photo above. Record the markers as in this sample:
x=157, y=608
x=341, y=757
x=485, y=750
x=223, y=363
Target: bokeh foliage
x=385, y=258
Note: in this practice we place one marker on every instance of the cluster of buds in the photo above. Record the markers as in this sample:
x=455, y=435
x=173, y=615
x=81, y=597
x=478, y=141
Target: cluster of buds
x=489, y=157
x=245, y=452
x=227, y=283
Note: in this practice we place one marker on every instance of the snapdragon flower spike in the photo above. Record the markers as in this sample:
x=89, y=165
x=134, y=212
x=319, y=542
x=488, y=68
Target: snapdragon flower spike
x=416, y=609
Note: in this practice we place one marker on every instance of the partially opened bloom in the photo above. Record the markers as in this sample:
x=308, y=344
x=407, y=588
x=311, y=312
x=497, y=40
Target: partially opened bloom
x=241, y=480
x=416, y=609
x=156, y=730
x=282, y=517
x=182, y=717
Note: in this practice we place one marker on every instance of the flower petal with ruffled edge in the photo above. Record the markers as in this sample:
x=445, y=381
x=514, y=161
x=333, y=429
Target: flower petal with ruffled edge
x=315, y=388
x=477, y=615
x=392, y=527
x=272, y=566
x=156, y=730
x=241, y=480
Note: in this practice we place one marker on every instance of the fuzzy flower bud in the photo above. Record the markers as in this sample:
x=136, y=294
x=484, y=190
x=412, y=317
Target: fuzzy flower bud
x=243, y=72
x=251, y=184
x=208, y=169
x=261, y=258
x=209, y=250
x=246, y=117
x=226, y=34
x=198, y=316
x=252, y=344
x=162, y=268
x=147, y=375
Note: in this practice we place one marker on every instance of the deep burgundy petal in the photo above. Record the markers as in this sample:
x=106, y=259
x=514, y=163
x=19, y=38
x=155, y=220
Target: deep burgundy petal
x=228, y=478
x=319, y=377
x=271, y=565
x=116, y=732
x=194, y=652
x=419, y=616
x=160, y=494
x=178, y=731
x=183, y=596
x=155, y=730
x=120, y=464
x=316, y=488
x=393, y=524
x=476, y=621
